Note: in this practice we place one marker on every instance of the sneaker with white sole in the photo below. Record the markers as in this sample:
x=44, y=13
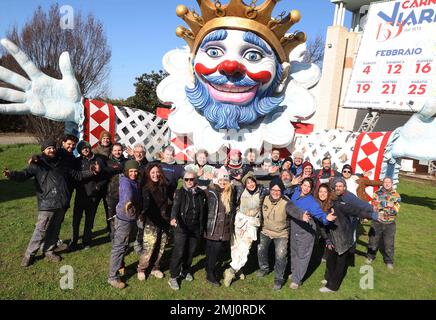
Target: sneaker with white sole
x=117, y=284
x=189, y=277
x=324, y=282
x=173, y=284
x=157, y=273
x=390, y=266
x=325, y=290
x=141, y=276
x=294, y=286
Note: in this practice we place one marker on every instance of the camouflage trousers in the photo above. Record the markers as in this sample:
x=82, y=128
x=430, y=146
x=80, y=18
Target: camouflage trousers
x=154, y=243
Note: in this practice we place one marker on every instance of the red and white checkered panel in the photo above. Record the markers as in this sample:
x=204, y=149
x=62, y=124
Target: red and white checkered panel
x=368, y=155
x=99, y=116
x=183, y=147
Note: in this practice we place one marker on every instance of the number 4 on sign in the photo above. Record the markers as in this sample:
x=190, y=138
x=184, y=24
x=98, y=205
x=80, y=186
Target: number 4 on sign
x=367, y=70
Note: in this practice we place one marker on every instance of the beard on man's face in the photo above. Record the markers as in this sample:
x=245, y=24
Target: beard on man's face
x=224, y=115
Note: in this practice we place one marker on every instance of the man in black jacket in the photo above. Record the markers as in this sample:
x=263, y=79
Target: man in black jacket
x=114, y=166
x=65, y=154
x=187, y=216
x=89, y=192
x=52, y=191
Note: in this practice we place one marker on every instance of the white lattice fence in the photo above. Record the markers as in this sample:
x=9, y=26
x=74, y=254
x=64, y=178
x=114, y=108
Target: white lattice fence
x=336, y=144
x=137, y=126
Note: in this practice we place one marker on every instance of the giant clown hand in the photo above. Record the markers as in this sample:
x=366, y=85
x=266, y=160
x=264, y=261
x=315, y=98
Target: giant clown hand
x=42, y=95
x=417, y=137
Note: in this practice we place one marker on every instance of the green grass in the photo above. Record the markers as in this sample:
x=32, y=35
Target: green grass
x=414, y=276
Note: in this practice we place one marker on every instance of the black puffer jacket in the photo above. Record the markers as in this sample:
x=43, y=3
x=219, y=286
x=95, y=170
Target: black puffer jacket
x=181, y=206
x=340, y=232
x=94, y=185
x=51, y=181
x=218, y=223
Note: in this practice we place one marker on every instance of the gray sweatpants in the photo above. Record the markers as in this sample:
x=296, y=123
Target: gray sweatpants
x=301, y=251
x=120, y=245
x=382, y=232
x=46, y=231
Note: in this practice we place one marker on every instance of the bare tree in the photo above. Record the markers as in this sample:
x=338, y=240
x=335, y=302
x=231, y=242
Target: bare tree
x=43, y=40
x=315, y=51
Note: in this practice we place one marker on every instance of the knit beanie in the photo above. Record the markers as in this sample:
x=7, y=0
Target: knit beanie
x=277, y=182
x=130, y=164
x=347, y=166
x=249, y=175
x=222, y=173
x=307, y=164
x=48, y=143
x=338, y=180
x=81, y=145
x=105, y=133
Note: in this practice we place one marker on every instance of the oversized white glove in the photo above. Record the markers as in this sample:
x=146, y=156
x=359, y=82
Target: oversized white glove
x=43, y=96
x=417, y=138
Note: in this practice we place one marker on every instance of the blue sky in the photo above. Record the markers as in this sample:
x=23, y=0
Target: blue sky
x=141, y=32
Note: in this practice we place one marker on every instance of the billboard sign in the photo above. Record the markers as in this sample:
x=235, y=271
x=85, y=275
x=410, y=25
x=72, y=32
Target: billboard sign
x=395, y=66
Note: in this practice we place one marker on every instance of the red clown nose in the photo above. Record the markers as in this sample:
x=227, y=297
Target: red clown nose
x=230, y=68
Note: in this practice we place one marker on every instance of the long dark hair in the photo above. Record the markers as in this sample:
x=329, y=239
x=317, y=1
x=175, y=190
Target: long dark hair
x=159, y=186
x=327, y=203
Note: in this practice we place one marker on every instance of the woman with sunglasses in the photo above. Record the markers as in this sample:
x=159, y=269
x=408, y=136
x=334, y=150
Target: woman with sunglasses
x=350, y=178
x=156, y=219
x=187, y=217
x=202, y=169
x=220, y=218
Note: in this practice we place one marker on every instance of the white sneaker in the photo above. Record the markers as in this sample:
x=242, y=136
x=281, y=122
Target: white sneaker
x=141, y=276
x=390, y=266
x=294, y=286
x=324, y=282
x=325, y=289
x=157, y=273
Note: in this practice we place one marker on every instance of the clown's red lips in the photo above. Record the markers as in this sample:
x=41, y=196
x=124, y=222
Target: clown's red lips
x=232, y=94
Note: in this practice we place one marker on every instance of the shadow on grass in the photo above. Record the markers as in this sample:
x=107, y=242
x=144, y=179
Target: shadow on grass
x=96, y=241
x=421, y=201
x=10, y=190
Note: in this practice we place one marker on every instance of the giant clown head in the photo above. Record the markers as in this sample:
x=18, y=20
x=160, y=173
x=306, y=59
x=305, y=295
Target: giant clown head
x=236, y=77
x=237, y=74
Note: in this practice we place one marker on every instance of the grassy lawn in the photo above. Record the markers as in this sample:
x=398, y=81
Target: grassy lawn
x=414, y=276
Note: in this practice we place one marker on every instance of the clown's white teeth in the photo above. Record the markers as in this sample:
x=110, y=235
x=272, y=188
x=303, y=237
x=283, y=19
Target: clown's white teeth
x=232, y=88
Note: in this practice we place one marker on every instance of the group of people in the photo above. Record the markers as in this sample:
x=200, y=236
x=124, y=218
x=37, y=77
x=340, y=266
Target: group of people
x=231, y=207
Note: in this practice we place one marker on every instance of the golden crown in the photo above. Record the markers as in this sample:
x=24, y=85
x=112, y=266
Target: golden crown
x=237, y=15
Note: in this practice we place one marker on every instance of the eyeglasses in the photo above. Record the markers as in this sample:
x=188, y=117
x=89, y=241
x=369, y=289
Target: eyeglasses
x=189, y=179
x=346, y=171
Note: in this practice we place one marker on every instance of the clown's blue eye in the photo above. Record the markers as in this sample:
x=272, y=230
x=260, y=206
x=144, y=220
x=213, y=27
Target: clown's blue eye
x=253, y=56
x=214, y=52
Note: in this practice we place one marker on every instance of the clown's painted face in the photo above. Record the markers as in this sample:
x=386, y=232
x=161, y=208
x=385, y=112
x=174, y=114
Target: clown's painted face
x=236, y=75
